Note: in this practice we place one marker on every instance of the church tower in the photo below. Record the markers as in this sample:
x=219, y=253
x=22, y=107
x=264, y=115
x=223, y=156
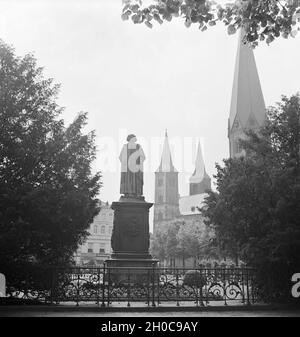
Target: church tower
x=247, y=110
x=200, y=181
x=166, y=204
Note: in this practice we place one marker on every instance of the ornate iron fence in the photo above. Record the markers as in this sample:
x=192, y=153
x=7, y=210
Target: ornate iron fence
x=153, y=286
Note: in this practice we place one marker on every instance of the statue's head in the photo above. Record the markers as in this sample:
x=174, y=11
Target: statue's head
x=131, y=138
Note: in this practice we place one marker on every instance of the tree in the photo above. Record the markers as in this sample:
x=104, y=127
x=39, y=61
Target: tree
x=48, y=194
x=172, y=248
x=262, y=19
x=256, y=209
x=193, y=237
x=157, y=244
x=181, y=239
x=164, y=241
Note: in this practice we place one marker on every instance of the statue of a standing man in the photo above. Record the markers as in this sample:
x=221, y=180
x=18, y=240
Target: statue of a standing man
x=132, y=158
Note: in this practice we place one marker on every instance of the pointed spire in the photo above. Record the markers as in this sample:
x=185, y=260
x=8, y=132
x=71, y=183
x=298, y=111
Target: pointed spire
x=199, y=172
x=166, y=164
x=247, y=102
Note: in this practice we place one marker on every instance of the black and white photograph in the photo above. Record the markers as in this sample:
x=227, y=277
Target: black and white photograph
x=149, y=162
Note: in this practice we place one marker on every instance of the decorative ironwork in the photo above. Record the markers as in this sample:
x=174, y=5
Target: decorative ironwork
x=152, y=286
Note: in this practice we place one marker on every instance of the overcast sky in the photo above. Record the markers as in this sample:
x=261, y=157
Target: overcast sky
x=132, y=79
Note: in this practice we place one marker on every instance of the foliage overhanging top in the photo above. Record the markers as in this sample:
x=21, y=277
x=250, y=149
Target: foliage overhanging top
x=263, y=20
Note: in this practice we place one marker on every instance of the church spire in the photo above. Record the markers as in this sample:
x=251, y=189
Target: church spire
x=247, y=110
x=199, y=172
x=200, y=180
x=166, y=164
x=166, y=199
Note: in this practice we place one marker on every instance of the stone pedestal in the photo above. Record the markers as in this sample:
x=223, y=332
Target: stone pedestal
x=130, y=240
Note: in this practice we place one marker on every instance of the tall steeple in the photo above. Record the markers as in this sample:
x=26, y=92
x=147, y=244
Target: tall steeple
x=200, y=181
x=166, y=204
x=247, y=110
x=166, y=164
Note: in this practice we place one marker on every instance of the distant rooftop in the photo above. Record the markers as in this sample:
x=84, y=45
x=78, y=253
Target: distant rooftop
x=104, y=203
x=189, y=205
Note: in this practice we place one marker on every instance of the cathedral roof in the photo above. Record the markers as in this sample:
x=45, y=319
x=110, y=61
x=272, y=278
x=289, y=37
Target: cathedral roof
x=199, y=172
x=166, y=164
x=190, y=204
x=247, y=102
x=104, y=204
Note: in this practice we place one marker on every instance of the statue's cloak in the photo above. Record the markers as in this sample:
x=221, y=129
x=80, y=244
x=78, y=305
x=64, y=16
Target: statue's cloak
x=132, y=170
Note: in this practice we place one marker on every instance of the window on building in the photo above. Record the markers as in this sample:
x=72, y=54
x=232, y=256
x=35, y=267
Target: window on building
x=160, y=182
x=237, y=146
x=102, y=229
x=95, y=229
x=90, y=248
x=102, y=248
x=160, y=199
x=236, y=124
x=110, y=228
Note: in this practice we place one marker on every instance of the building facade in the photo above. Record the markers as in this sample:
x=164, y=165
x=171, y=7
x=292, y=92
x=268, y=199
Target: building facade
x=97, y=246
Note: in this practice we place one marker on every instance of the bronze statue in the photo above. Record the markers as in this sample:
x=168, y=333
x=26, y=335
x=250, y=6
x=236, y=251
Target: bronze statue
x=132, y=158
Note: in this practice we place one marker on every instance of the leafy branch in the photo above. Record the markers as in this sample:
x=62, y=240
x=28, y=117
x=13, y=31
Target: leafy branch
x=262, y=20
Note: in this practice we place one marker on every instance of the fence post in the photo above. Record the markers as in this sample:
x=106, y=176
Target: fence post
x=247, y=283
x=242, y=278
x=148, y=287
x=223, y=273
x=97, y=286
x=158, y=286
x=177, y=288
x=52, y=284
x=128, y=288
x=207, y=274
x=153, y=286
x=103, y=286
x=78, y=287
x=108, y=288
x=202, y=283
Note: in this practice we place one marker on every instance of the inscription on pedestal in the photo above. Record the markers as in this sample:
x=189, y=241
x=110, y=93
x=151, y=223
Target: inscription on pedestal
x=130, y=237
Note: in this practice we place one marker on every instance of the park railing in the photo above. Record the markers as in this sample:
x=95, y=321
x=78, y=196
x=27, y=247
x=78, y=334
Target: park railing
x=153, y=286
x=106, y=286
